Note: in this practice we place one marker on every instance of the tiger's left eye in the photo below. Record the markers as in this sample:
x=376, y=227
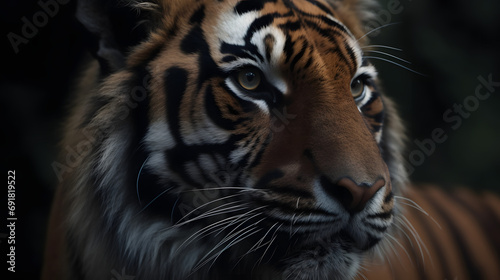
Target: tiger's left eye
x=358, y=88
x=249, y=78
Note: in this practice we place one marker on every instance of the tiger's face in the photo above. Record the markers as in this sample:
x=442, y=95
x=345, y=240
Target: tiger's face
x=261, y=140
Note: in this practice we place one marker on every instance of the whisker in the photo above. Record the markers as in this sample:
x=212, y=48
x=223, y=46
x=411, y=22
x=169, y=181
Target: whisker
x=254, y=210
x=395, y=63
x=215, y=212
x=208, y=230
x=173, y=209
x=137, y=181
x=208, y=203
x=233, y=233
x=390, y=55
x=418, y=239
x=269, y=245
x=225, y=188
x=153, y=200
x=258, y=244
x=416, y=206
x=240, y=238
x=375, y=29
x=402, y=230
x=382, y=46
x=200, y=232
x=402, y=247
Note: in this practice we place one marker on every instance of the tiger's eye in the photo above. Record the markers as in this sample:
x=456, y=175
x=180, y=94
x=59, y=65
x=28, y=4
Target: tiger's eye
x=357, y=88
x=249, y=78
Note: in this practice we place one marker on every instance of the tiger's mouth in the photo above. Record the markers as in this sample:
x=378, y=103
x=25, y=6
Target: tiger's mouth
x=331, y=244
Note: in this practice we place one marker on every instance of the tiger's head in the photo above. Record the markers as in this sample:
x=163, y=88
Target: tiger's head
x=235, y=138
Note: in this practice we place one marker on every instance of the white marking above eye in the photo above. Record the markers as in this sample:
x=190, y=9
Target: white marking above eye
x=232, y=29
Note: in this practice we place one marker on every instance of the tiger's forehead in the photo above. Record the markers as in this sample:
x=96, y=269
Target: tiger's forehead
x=260, y=32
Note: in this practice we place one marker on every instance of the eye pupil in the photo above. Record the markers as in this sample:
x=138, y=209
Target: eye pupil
x=249, y=78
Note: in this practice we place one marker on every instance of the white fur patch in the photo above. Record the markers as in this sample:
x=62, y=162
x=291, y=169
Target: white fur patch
x=232, y=29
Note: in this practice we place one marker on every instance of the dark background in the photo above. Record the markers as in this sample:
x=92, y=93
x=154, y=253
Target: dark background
x=451, y=42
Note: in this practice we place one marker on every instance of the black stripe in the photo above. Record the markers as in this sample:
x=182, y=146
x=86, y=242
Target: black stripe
x=260, y=153
x=214, y=112
x=351, y=54
x=229, y=58
x=299, y=55
x=250, y=52
x=487, y=220
x=198, y=16
x=384, y=215
x=471, y=268
x=180, y=155
x=175, y=86
x=246, y=6
x=424, y=222
x=372, y=241
x=308, y=63
x=388, y=198
x=291, y=25
x=375, y=227
x=288, y=48
x=323, y=18
x=320, y=5
x=194, y=41
x=259, y=24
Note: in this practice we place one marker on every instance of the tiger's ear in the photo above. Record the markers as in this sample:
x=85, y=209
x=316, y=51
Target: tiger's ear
x=112, y=27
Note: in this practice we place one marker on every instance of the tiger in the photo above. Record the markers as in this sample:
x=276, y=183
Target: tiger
x=228, y=139
x=442, y=234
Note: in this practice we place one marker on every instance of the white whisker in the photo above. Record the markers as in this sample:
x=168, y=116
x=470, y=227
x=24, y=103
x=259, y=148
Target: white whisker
x=200, y=233
x=402, y=247
x=153, y=200
x=240, y=235
x=395, y=63
x=375, y=29
x=388, y=54
x=417, y=207
x=215, y=212
x=137, y=181
x=208, y=203
x=382, y=46
x=269, y=245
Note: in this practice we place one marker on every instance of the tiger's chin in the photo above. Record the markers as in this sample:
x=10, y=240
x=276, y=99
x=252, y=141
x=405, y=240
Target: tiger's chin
x=333, y=257
x=318, y=256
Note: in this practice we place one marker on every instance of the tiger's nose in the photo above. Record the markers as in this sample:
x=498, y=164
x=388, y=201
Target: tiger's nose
x=351, y=195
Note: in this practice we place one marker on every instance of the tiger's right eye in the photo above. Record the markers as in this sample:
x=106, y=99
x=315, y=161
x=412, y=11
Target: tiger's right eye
x=358, y=88
x=249, y=78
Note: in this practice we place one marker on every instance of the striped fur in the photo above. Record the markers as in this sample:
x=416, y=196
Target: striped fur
x=173, y=170
x=443, y=235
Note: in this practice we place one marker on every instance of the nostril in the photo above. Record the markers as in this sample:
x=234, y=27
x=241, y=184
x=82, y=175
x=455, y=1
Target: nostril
x=343, y=195
x=351, y=195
